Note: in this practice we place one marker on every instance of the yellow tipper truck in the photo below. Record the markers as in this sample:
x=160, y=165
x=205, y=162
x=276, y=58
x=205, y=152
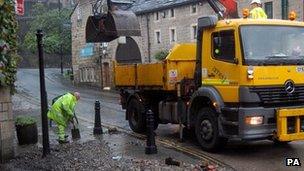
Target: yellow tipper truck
x=242, y=80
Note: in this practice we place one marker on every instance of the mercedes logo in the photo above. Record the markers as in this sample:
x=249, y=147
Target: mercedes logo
x=289, y=86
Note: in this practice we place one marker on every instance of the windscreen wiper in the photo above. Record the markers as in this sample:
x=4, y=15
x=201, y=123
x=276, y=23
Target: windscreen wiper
x=277, y=57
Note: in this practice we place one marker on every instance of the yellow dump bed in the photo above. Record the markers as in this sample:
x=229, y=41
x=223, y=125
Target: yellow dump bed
x=179, y=64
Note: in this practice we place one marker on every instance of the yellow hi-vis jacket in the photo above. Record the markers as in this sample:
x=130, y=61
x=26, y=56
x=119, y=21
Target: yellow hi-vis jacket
x=258, y=13
x=63, y=109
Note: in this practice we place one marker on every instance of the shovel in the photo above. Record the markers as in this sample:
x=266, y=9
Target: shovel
x=75, y=131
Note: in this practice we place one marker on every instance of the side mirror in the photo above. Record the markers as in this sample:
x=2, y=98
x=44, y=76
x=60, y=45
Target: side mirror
x=236, y=61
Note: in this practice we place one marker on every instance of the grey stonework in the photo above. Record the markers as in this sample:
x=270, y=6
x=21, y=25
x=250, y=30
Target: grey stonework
x=6, y=126
x=182, y=22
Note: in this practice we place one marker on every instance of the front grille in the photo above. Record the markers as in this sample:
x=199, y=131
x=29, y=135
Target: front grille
x=273, y=95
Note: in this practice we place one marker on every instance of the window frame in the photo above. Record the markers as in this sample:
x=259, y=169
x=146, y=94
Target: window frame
x=192, y=31
x=270, y=4
x=175, y=35
x=164, y=14
x=157, y=41
x=172, y=11
x=212, y=46
x=191, y=9
x=156, y=16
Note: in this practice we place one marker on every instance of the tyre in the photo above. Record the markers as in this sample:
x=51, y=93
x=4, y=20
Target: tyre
x=276, y=142
x=135, y=112
x=206, y=131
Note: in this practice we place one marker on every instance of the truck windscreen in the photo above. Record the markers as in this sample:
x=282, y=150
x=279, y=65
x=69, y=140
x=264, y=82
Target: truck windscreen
x=272, y=45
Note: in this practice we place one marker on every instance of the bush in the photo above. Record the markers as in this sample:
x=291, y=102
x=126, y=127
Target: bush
x=161, y=55
x=24, y=120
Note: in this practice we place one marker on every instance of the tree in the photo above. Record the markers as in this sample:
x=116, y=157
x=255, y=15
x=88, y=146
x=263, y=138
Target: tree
x=55, y=29
x=161, y=55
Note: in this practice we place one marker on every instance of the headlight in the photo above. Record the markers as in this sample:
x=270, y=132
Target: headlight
x=250, y=72
x=254, y=120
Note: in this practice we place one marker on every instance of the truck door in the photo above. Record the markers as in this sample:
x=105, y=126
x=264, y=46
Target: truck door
x=221, y=62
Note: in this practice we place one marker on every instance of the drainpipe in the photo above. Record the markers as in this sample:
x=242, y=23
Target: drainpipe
x=284, y=6
x=148, y=36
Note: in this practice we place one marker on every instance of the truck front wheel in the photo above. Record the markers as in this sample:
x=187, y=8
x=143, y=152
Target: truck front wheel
x=136, y=116
x=206, y=130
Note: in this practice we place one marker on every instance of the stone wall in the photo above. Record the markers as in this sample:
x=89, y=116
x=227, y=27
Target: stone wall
x=6, y=125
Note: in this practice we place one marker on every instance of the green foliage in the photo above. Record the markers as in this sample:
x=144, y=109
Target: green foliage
x=8, y=44
x=55, y=28
x=24, y=120
x=161, y=55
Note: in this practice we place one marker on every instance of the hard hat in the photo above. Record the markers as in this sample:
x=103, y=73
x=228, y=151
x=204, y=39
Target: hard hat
x=256, y=1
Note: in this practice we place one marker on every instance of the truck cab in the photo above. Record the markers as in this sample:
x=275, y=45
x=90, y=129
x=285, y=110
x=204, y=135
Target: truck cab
x=254, y=71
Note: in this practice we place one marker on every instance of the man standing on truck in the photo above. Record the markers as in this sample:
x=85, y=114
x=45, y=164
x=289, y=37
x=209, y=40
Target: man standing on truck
x=62, y=112
x=257, y=11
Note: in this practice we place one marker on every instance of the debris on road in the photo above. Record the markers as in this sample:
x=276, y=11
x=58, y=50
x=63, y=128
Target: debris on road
x=112, y=130
x=170, y=161
x=208, y=167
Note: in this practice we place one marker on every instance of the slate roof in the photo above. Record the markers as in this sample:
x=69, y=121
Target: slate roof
x=147, y=6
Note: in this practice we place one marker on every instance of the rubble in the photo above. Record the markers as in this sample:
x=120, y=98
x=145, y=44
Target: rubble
x=91, y=155
x=170, y=161
x=112, y=130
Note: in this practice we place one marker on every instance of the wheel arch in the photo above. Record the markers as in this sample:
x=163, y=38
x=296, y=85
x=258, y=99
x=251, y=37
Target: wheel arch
x=205, y=97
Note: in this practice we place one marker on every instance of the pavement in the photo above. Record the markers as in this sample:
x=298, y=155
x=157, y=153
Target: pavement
x=112, y=150
x=258, y=155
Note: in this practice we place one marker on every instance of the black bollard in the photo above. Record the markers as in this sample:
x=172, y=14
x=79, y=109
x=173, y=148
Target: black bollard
x=151, y=147
x=43, y=96
x=97, y=125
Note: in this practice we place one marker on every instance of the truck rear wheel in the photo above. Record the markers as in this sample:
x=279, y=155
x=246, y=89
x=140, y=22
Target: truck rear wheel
x=206, y=130
x=135, y=112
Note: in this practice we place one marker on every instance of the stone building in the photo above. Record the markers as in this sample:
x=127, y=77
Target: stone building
x=163, y=23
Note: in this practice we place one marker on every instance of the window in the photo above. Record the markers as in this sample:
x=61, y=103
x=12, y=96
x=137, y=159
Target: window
x=157, y=37
x=274, y=45
x=172, y=35
x=193, y=31
x=269, y=9
x=172, y=13
x=284, y=5
x=193, y=9
x=156, y=16
x=224, y=45
x=164, y=14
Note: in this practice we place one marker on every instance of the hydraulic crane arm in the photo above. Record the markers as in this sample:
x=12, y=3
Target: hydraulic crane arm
x=216, y=8
x=229, y=5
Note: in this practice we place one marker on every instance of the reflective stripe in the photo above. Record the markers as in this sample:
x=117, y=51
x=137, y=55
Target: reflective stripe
x=215, y=82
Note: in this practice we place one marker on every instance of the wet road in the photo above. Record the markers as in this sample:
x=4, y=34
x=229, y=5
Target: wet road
x=261, y=155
